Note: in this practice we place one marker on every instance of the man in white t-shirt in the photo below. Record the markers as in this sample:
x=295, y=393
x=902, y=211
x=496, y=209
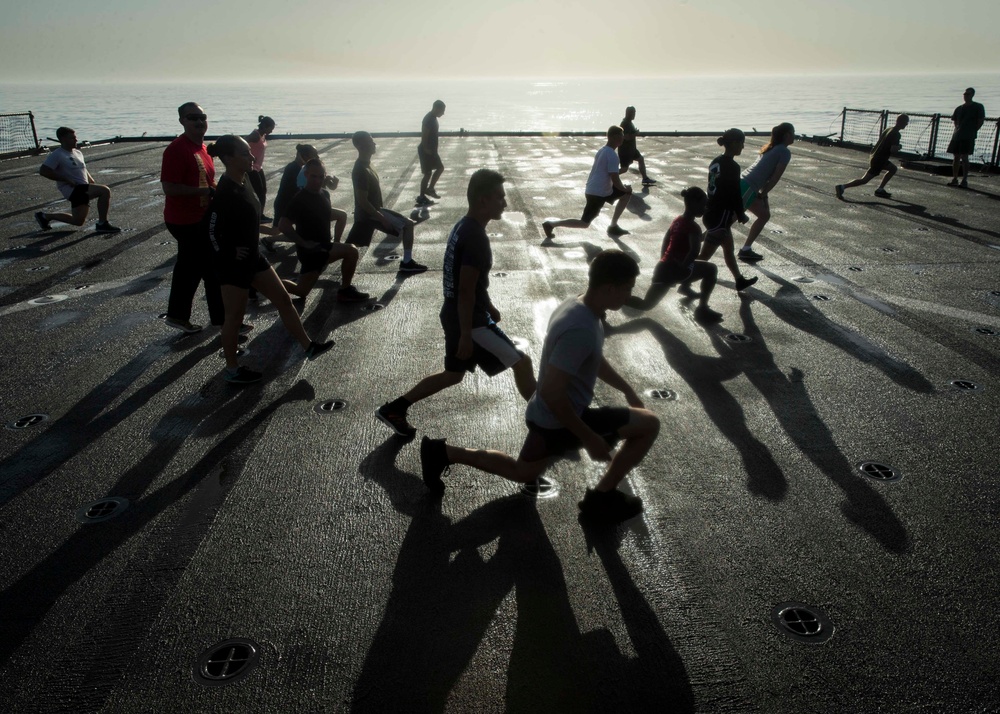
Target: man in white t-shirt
x=65, y=166
x=603, y=186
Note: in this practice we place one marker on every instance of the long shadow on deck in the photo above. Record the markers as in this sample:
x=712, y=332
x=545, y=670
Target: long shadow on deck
x=449, y=583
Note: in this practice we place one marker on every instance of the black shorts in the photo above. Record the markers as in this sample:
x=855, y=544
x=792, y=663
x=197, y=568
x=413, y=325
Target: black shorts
x=313, y=261
x=364, y=228
x=492, y=351
x=718, y=220
x=429, y=162
x=240, y=273
x=670, y=272
x=877, y=166
x=543, y=443
x=627, y=153
x=80, y=195
x=596, y=203
x=960, y=147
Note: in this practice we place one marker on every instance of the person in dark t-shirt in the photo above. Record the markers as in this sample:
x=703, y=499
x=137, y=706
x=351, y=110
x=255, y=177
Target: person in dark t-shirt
x=306, y=221
x=468, y=316
x=628, y=151
x=887, y=145
x=430, y=160
x=968, y=117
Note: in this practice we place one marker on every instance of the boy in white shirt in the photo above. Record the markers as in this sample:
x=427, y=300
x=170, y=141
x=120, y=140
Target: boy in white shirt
x=67, y=168
x=603, y=186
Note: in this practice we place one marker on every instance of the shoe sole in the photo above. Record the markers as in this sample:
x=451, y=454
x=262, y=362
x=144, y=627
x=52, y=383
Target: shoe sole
x=389, y=424
x=185, y=330
x=434, y=485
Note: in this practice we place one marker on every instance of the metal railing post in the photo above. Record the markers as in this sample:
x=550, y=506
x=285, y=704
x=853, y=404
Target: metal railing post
x=935, y=125
x=843, y=124
x=34, y=133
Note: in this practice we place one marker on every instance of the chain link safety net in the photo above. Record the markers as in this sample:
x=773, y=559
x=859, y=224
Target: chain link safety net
x=986, y=141
x=17, y=133
x=926, y=136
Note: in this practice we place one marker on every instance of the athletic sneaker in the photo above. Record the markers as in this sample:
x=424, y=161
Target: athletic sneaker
x=242, y=375
x=839, y=188
x=882, y=193
x=433, y=463
x=953, y=182
x=432, y=193
x=547, y=227
x=964, y=184
x=609, y=506
x=685, y=290
x=245, y=328
x=41, y=220
x=424, y=201
x=411, y=266
x=743, y=283
x=351, y=294
x=648, y=181
x=105, y=227
x=706, y=315
x=749, y=256
x=617, y=231
x=267, y=244
x=182, y=325
x=315, y=349
x=266, y=219
x=395, y=421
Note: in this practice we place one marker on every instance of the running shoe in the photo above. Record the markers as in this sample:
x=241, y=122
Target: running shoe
x=105, y=227
x=882, y=193
x=609, y=506
x=242, y=375
x=412, y=266
x=267, y=244
x=41, y=220
x=423, y=201
x=395, y=421
x=953, y=182
x=351, y=294
x=685, y=290
x=648, y=181
x=315, y=349
x=245, y=328
x=964, y=184
x=743, y=283
x=617, y=230
x=839, y=188
x=706, y=316
x=749, y=256
x=549, y=232
x=184, y=326
x=432, y=193
x=266, y=219
x=433, y=463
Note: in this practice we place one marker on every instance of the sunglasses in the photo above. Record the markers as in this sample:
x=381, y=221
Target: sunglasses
x=196, y=117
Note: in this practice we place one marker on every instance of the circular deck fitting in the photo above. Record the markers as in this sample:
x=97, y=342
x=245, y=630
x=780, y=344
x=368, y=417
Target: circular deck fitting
x=520, y=343
x=495, y=235
x=161, y=316
x=36, y=269
x=738, y=337
x=330, y=406
x=665, y=394
x=888, y=249
x=964, y=385
x=241, y=352
x=995, y=293
x=372, y=307
x=856, y=269
x=821, y=298
x=879, y=472
x=801, y=622
x=777, y=230
x=541, y=488
x=803, y=279
x=103, y=510
x=501, y=274
x=48, y=299
x=987, y=331
x=84, y=287
x=922, y=228
x=227, y=662
x=574, y=254
x=27, y=421
x=392, y=256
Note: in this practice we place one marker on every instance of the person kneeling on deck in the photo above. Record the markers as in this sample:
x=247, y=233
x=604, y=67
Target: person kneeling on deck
x=369, y=215
x=559, y=415
x=468, y=315
x=65, y=166
x=306, y=221
x=603, y=186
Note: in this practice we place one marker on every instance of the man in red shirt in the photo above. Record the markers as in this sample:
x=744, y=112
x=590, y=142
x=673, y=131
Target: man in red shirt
x=187, y=175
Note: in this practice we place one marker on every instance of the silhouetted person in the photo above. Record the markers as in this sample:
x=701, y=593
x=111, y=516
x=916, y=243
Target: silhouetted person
x=888, y=144
x=968, y=117
x=427, y=151
x=758, y=180
x=628, y=151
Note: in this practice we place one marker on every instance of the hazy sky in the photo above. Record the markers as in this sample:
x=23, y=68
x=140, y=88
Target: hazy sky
x=187, y=40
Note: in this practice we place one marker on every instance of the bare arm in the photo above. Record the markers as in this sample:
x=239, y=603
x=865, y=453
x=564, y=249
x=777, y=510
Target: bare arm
x=607, y=374
x=49, y=173
x=617, y=183
x=468, y=276
x=775, y=177
x=694, y=241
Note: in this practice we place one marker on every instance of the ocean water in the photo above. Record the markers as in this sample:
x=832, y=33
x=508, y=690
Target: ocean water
x=813, y=103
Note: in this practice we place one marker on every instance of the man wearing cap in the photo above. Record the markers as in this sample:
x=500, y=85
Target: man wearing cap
x=967, y=118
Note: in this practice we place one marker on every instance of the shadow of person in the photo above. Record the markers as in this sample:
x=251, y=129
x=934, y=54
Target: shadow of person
x=920, y=211
x=591, y=250
x=26, y=601
x=655, y=680
x=637, y=205
x=789, y=400
x=450, y=582
x=625, y=249
x=792, y=306
x=705, y=377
